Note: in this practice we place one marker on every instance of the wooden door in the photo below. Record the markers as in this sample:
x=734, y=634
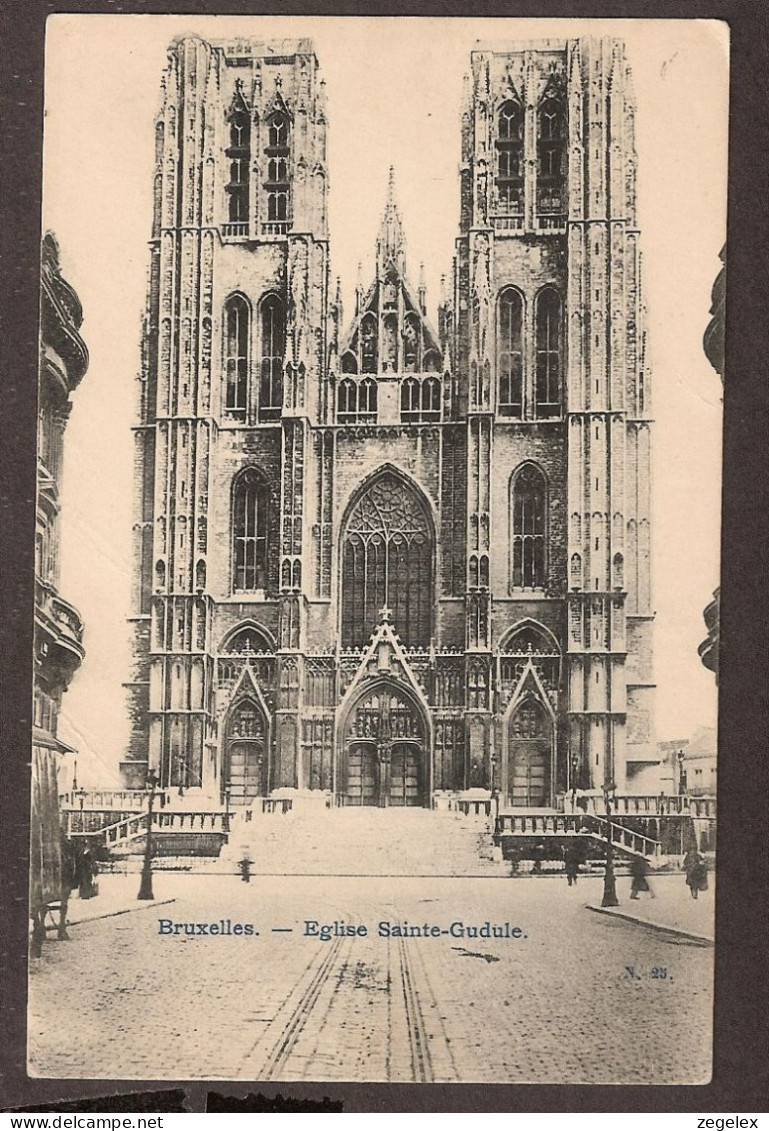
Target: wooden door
x=246, y=776
x=529, y=777
x=405, y=777
x=362, y=776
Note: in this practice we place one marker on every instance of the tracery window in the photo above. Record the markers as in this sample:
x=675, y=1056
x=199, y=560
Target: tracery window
x=551, y=154
x=273, y=331
x=510, y=157
x=237, y=323
x=528, y=506
x=239, y=155
x=249, y=532
x=277, y=184
x=510, y=353
x=387, y=558
x=356, y=402
x=547, y=318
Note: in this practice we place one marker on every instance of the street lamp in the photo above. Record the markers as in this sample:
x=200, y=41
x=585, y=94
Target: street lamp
x=81, y=794
x=227, y=809
x=681, y=774
x=609, y=879
x=145, y=888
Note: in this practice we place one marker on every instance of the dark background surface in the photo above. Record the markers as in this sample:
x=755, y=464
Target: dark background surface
x=741, y=1077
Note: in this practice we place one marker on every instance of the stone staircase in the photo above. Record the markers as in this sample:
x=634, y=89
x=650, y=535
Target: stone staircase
x=363, y=842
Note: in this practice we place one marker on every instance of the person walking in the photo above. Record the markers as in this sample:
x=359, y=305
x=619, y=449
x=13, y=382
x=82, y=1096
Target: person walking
x=696, y=870
x=639, y=871
x=571, y=860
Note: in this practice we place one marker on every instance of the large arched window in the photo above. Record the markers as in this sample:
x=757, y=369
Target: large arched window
x=510, y=353
x=273, y=342
x=277, y=182
x=528, y=519
x=387, y=562
x=237, y=322
x=510, y=157
x=249, y=532
x=551, y=154
x=547, y=317
x=238, y=154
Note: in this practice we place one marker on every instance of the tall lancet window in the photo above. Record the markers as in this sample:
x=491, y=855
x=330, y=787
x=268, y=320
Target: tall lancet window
x=510, y=353
x=387, y=557
x=237, y=321
x=273, y=345
x=528, y=519
x=239, y=155
x=551, y=155
x=510, y=158
x=277, y=185
x=547, y=317
x=249, y=532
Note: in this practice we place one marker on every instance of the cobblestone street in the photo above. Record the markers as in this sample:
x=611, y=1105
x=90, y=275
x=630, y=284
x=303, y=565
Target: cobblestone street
x=559, y=1003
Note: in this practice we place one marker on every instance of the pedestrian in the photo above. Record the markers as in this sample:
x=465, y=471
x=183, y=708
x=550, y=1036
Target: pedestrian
x=696, y=870
x=571, y=859
x=87, y=870
x=639, y=870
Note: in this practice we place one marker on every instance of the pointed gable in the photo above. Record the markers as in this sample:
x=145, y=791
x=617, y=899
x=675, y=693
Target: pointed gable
x=390, y=332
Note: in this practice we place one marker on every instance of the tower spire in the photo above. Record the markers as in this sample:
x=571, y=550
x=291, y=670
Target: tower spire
x=391, y=242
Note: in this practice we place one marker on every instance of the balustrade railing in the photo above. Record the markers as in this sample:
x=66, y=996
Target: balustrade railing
x=276, y=227
x=114, y=799
x=640, y=805
x=235, y=230
x=568, y=824
x=130, y=828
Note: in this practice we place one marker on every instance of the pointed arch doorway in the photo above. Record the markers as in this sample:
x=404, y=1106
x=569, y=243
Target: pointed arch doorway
x=383, y=758
x=246, y=769
x=530, y=736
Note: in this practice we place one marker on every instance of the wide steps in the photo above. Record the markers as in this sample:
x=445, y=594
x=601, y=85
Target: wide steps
x=364, y=842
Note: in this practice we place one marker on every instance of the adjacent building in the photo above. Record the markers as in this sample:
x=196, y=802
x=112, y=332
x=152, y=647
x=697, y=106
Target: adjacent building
x=58, y=638
x=381, y=560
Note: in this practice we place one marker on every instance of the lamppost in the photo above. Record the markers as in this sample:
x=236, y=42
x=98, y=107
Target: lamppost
x=495, y=791
x=227, y=809
x=609, y=879
x=145, y=887
x=681, y=774
x=80, y=794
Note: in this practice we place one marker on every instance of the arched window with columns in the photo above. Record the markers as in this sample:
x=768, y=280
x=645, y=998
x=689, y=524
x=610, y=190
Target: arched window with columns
x=528, y=528
x=236, y=333
x=272, y=321
x=249, y=532
x=548, y=318
x=510, y=353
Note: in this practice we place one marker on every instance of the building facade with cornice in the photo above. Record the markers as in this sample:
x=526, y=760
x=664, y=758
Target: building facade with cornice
x=58, y=633
x=378, y=560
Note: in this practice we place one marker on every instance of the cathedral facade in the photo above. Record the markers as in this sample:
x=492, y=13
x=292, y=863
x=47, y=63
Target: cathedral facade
x=378, y=560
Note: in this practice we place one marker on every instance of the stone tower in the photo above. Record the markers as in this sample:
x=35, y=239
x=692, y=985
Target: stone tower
x=384, y=562
x=234, y=346
x=550, y=335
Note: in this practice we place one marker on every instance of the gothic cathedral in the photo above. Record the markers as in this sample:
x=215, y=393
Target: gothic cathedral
x=381, y=561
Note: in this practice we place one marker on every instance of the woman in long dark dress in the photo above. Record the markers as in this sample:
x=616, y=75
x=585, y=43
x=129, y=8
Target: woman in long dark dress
x=639, y=870
x=696, y=869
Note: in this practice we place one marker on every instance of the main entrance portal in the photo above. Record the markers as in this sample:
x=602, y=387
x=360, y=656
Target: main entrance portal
x=383, y=759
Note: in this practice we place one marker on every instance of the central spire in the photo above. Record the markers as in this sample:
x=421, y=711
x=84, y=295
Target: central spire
x=391, y=242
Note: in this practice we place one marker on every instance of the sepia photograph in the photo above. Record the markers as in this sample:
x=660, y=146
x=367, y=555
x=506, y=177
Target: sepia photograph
x=376, y=641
